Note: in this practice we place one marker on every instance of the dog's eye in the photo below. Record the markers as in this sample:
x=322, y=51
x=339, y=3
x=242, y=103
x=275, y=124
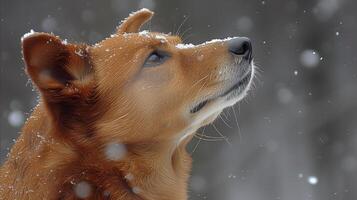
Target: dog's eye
x=156, y=58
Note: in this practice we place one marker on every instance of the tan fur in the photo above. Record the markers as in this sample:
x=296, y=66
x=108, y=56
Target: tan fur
x=95, y=95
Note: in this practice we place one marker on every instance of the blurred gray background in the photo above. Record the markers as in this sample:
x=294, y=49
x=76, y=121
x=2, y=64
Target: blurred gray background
x=297, y=135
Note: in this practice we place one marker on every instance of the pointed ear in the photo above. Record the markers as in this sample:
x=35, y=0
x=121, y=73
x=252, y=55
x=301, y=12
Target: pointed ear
x=58, y=69
x=135, y=20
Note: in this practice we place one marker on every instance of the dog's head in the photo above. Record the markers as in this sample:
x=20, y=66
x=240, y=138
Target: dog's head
x=138, y=86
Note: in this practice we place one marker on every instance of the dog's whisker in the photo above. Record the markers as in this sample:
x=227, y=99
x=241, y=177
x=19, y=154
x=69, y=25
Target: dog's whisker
x=258, y=80
x=199, y=91
x=187, y=37
x=224, y=121
x=199, y=141
x=197, y=82
x=210, y=137
x=238, y=127
x=183, y=33
x=259, y=70
x=225, y=138
x=179, y=28
x=225, y=114
x=196, y=145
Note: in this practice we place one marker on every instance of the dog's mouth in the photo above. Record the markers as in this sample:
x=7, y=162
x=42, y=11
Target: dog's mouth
x=240, y=85
x=234, y=90
x=199, y=106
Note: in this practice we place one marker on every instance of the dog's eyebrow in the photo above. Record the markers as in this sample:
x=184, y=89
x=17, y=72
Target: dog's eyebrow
x=165, y=38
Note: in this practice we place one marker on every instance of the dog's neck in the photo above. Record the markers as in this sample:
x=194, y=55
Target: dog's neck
x=157, y=170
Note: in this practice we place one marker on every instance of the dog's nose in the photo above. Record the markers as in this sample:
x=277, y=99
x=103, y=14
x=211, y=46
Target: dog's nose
x=241, y=46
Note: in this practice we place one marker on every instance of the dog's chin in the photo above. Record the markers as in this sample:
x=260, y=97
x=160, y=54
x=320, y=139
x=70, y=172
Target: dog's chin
x=206, y=111
x=239, y=89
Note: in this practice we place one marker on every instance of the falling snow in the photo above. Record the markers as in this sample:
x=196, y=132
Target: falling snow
x=82, y=189
x=309, y=58
x=312, y=180
x=115, y=151
x=49, y=24
x=245, y=24
x=26, y=35
x=136, y=190
x=284, y=95
x=16, y=118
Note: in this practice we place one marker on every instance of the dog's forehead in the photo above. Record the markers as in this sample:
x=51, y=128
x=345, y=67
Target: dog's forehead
x=162, y=37
x=143, y=37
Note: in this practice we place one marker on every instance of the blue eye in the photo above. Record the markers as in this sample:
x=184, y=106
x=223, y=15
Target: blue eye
x=156, y=58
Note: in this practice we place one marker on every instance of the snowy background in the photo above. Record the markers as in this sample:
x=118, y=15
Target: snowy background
x=297, y=135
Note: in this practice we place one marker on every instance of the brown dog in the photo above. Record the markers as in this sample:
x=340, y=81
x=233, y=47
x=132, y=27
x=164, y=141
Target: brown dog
x=114, y=118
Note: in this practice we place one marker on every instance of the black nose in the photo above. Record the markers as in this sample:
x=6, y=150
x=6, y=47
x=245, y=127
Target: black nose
x=241, y=46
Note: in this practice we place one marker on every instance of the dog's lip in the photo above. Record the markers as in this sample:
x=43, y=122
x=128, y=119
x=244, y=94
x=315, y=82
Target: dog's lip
x=241, y=83
x=199, y=106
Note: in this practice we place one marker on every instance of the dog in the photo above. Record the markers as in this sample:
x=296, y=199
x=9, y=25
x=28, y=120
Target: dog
x=114, y=118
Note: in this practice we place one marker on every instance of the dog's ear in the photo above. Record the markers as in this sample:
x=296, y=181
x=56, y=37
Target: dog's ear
x=135, y=20
x=58, y=69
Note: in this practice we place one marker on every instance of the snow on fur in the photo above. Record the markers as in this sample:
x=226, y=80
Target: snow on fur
x=187, y=46
x=26, y=35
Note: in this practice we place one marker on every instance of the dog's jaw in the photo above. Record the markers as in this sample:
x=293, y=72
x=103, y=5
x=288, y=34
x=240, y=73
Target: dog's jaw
x=214, y=107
